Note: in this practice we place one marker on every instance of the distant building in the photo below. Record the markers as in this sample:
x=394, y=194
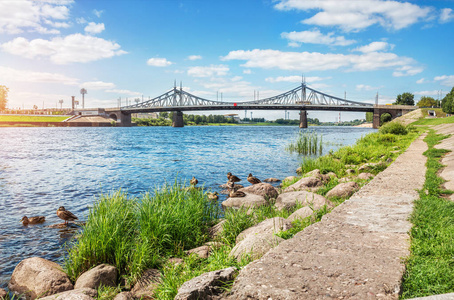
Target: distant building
x=234, y=117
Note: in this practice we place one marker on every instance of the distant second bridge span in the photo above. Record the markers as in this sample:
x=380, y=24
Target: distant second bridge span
x=302, y=98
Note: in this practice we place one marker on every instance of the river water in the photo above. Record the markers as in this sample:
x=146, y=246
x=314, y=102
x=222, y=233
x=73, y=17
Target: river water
x=44, y=168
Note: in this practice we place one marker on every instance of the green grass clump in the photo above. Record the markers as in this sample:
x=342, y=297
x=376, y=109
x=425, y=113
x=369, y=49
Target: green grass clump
x=15, y=118
x=393, y=128
x=306, y=143
x=434, y=121
x=136, y=234
x=430, y=267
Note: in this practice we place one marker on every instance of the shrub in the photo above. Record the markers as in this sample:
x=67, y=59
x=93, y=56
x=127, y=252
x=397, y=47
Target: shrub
x=393, y=128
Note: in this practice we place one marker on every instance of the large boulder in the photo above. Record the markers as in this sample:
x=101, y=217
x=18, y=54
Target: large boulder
x=343, y=190
x=290, y=200
x=77, y=294
x=305, y=184
x=202, y=251
x=206, y=285
x=145, y=286
x=105, y=275
x=250, y=200
x=365, y=176
x=255, y=245
x=37, y=277
x=262, y=189
x=273, y=225
x=124, y=296
x=371, y=166
x=300, y=214
x=217, y=229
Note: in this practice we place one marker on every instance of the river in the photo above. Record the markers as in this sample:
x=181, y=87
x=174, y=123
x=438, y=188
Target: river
x=44, y=168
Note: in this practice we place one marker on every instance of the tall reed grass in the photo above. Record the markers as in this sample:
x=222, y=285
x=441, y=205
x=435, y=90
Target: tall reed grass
x=307, y=143
x=138, y=233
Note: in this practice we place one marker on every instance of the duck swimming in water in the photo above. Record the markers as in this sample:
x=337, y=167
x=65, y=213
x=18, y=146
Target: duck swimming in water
x=193, y=181
x=66, y=215
x=252, y=179
x=232, y=178
x=32, y=220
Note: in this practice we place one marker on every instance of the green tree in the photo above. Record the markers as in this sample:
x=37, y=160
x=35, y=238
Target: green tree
x=405, y=99
x=369, y=116
x=447, y=104
x=3, y=96
x=426, y=101
x=384, y=118
x=164, y=114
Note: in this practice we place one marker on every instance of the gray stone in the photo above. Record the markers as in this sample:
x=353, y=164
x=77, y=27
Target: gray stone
x=350, y=171
x=37, y=276
x=332, y=174
x=255, y=246
x=343, y=190
x=105, y=275
x=123, y=296
x=301, y=213
x=202, y=251
x=273, y=225
x=145, y=286
x=365, y=176
x=313, y=173
x=175, y=261
x=217, y=229
x=262, y=189
x=206, y=285
x=290, y=178
x=290, y=200
x=250, y=200
x=77, y=294
x=299, y=170
x=370, y=166
x=449, y=296
x=305, y=183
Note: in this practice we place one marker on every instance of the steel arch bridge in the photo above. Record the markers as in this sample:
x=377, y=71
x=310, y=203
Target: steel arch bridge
x=302, y=98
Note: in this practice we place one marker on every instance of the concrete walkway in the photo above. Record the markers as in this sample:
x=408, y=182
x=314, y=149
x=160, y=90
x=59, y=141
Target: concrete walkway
x=355, y=252
x=448, y=172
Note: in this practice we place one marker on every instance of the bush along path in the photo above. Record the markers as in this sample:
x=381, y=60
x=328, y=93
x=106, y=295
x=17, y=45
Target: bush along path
x=430, y=267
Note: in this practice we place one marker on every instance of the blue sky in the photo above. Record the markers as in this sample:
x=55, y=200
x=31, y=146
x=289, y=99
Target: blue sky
x=50, y=49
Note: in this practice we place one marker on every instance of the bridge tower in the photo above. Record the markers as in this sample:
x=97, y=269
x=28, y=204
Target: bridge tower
x=303, y=119
x=178, y=119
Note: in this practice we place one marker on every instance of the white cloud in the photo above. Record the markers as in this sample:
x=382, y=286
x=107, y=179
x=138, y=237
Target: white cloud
x=14, y=75
x=194, y=57
x=407, y=71
x=356, y=15
x=94, y=28
x=374, y=47
x=447, y=80
x=295, y=78
x=446, y=15
x=17, y=16
x=314, y=61
x=159, y=62
x=81, y=21
x=427, y=93
x=17, y=98
x=124, y=92
x=247, y=71
x=97, y=85
x=314, y=36
x=365, y=87
x=420, y=81
x=70, y=49
x=212, y=70
x=98, y=13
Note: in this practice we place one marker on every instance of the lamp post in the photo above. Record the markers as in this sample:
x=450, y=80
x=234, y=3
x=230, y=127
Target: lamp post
x=83, y=92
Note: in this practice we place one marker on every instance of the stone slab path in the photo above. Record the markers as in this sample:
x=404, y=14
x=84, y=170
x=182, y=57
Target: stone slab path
x=448, y=172
x=355, y=252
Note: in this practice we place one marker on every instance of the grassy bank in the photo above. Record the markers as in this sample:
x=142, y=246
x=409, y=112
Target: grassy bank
x=430, y=267
x=16, y=118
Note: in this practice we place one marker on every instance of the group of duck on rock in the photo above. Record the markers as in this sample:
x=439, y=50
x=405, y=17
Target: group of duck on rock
x=66, y=215
x=62, y=213
x=230, y=185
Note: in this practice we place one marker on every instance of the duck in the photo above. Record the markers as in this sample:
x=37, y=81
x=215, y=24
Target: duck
x=66, y=215
x=234, y=194
x=193, y=181
x=213, y=196
x=32, y=220
x=252, y=179
x=232, y=178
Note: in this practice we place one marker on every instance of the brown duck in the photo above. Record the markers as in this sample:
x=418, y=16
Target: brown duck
x=234, y=194
x=193, y=181
x=32, y=220
x=252, y=179
x=232, y=178
x=66, y=215
x=213, y=196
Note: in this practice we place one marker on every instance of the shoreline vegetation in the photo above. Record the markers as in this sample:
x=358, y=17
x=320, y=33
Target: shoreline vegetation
x=135, y=234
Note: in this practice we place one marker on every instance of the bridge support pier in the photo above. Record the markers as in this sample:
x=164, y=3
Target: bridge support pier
x=303, y=119
x=376, y=119
x=178, y=119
